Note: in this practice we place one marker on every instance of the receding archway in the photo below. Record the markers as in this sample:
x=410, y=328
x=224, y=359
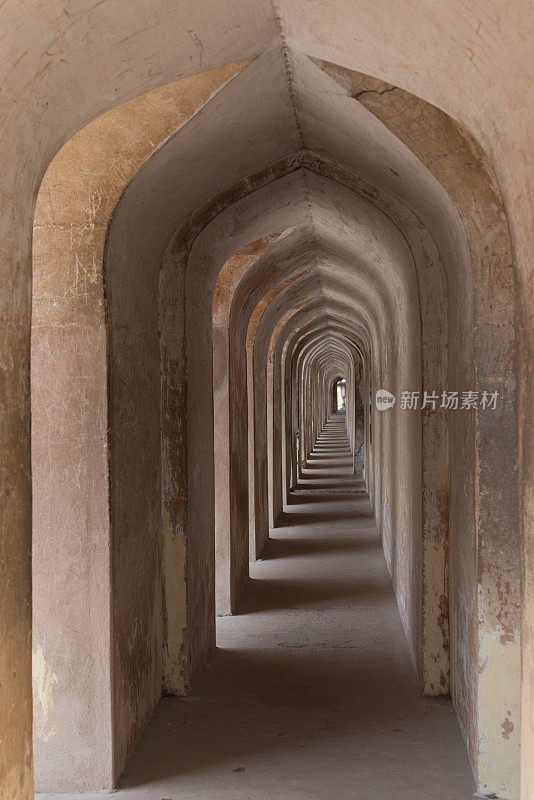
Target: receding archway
x=339, y=389
x=176, y=585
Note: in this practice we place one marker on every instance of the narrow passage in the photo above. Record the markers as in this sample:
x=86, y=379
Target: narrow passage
x=311, y=693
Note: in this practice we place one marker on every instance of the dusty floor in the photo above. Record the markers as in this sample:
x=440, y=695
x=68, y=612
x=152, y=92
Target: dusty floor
x=311, y=693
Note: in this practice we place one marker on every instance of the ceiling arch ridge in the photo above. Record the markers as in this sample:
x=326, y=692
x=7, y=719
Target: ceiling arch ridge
x=287, y=260
x=331, y=362
x=289, y=70
x=314, y=293
x=307, y=332
x=307, y=288
x=283, y=291
x=304, y=161
x=236, y=223
x=326, y=354
x=331, y=320
x=336, y=125
x=302, y=332
x=349, y=318
x=313, y=224
x=339, y=328
x=334, y=317
x=344, y=310
x=327, y=351
x=304, y=158
x=301, y=252
x=294, y=238
x=327, y=340
x=298, y=244
x=295, y=244
x=336, y=287
x=309, y=351
x=309, y=203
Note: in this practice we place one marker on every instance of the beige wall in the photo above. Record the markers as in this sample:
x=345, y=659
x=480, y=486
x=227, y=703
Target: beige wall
x=475, y=64
x=75, y=719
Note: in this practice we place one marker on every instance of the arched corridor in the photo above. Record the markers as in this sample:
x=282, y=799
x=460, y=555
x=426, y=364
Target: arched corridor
x=311, y=691
x=267, y=338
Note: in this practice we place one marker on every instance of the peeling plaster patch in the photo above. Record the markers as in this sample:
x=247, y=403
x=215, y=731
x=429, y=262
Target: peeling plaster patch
x=498, y=691
x=43, y=681
x=507, y=728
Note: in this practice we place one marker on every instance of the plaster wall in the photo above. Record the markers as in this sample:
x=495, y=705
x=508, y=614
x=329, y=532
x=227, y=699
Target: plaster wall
x=231, y=550
x=463, y=170
x=74, y=722
x=474, y=62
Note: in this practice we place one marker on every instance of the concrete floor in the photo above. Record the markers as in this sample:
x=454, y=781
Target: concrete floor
x=311, y=694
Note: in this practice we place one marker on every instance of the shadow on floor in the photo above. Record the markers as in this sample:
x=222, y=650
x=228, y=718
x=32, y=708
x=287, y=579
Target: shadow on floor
x=294, y=547
x=298, y=501
x=268, y=595
x=311, y=693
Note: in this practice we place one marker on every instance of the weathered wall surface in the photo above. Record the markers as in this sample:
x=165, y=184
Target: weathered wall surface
x=71, y=581
x=473, y=62
x=392, y=508
x=231, y=541
x=489, y=710
x=71, y=535
x=71, y=528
